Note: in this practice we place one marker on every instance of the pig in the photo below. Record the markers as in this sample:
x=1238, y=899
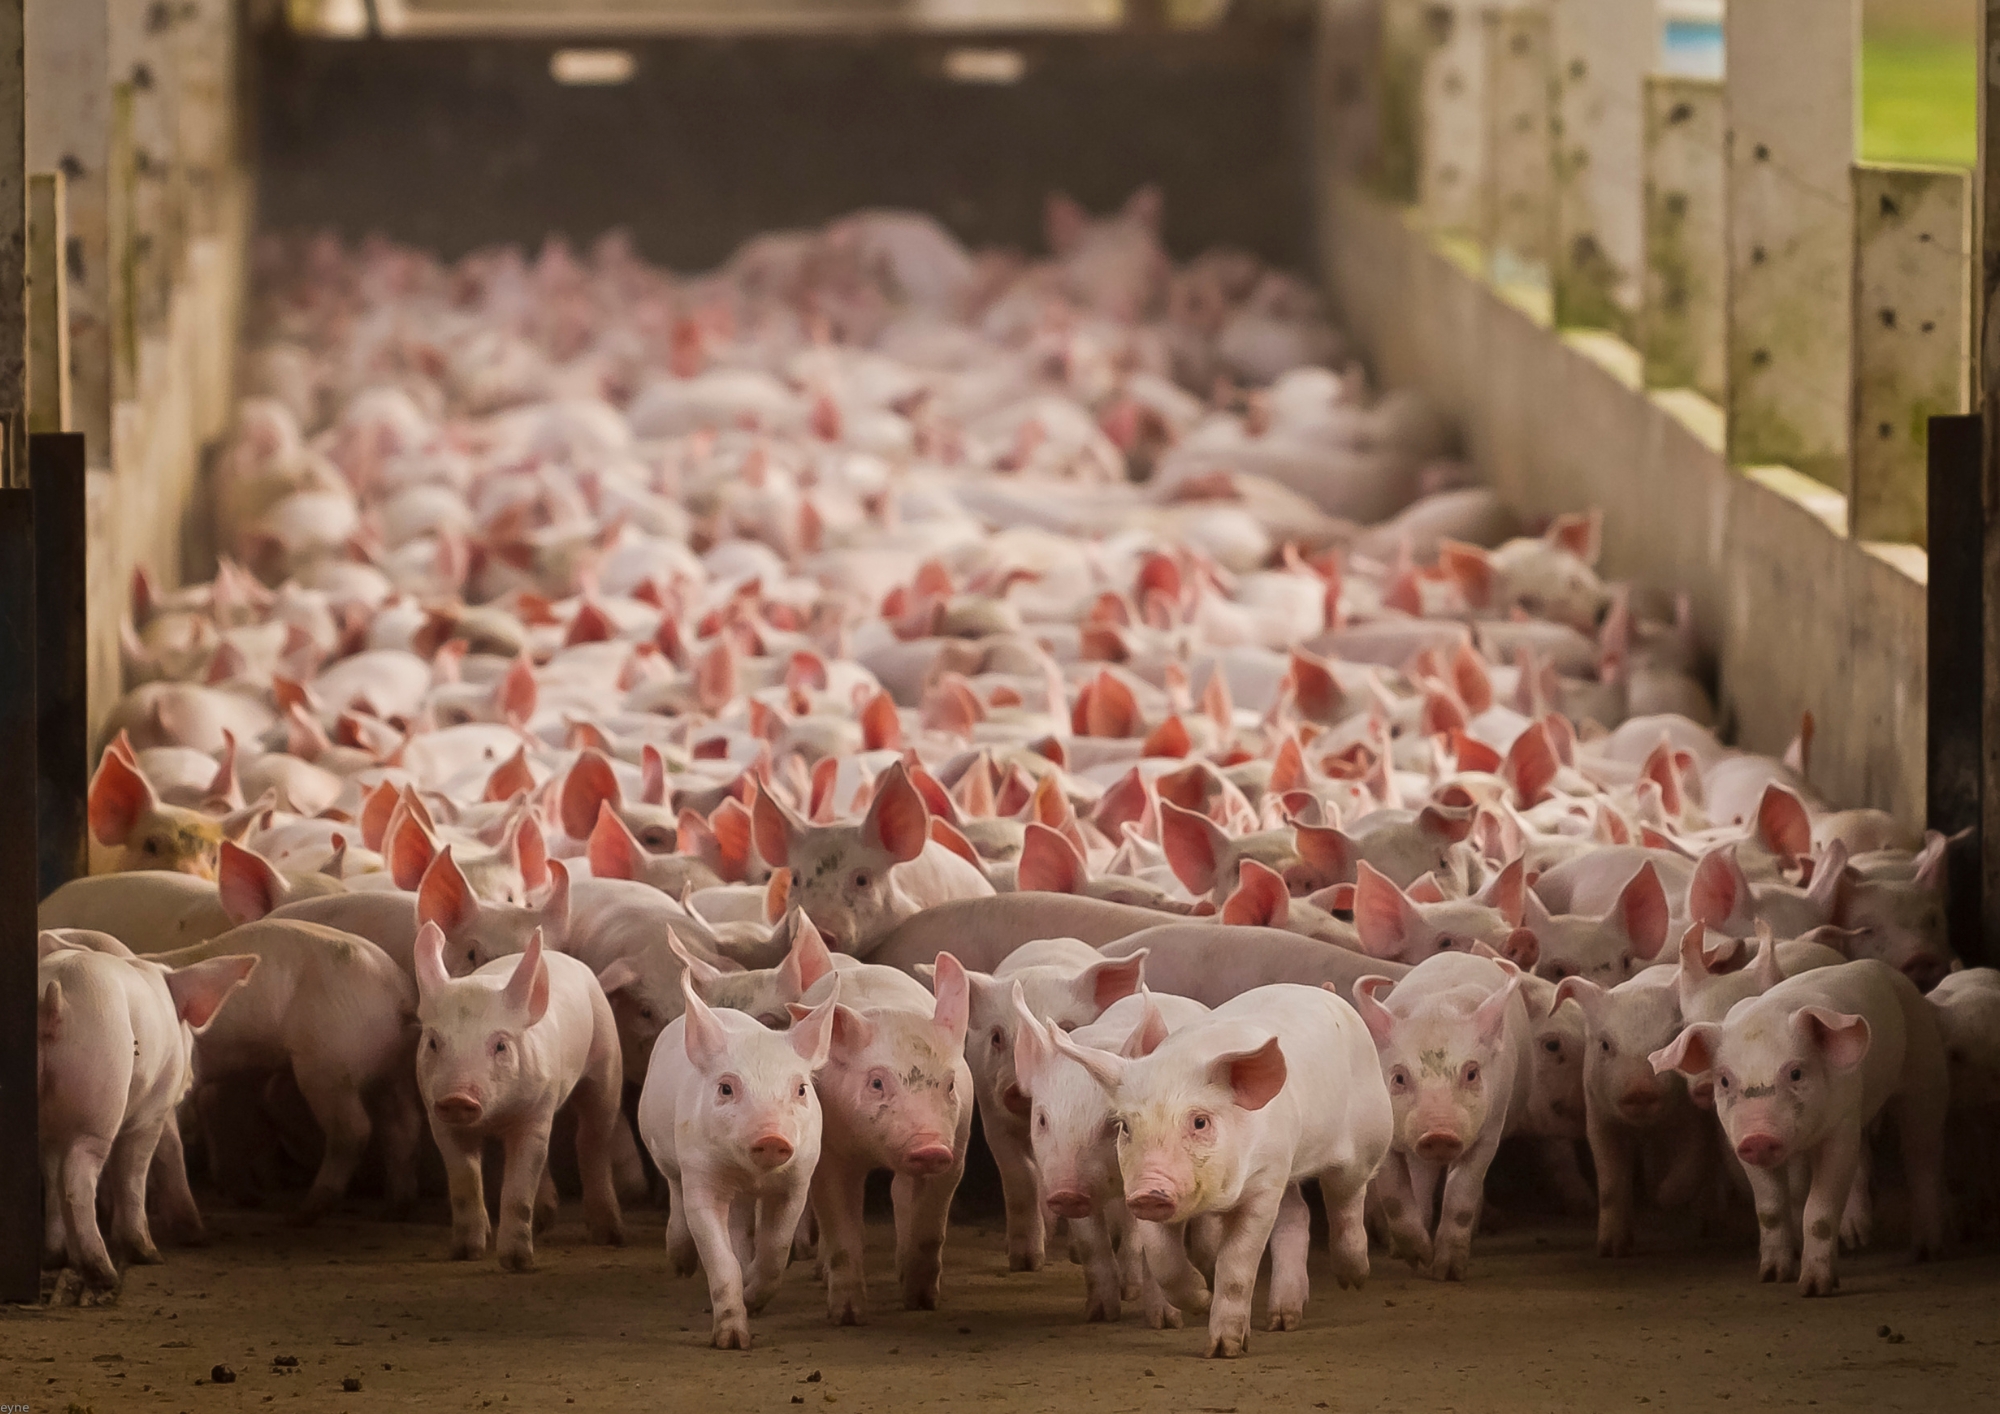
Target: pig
x=1630, y=1112
x=1453, y=1044
x=1605, y=949
x=1723, y=897
x=338, y=1013
x=1389, y=924
x=1068, y=984
x=857, y=883
x=126, y=815
x=1968, y=1013
x=986, y=930
x=1900, y=923
x=1071, y=1132
x=1212, y=962
x=111, y=1063
x=148, y=910
x=502, y=1050
x=730, y=1116
x=897, y=1094
x=1228, y=1116
x=764, y=994
x=1801, y=1072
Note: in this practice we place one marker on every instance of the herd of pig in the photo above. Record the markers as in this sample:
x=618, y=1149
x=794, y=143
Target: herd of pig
x=769, y=717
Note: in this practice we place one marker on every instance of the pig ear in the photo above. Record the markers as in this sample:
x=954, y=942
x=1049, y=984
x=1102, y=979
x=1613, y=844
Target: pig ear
x=527, y=991
x=1717, y=888
x=1581, y=990
x=1063, y=223
x=701, y=1032
x=1581, y=534
x=812, y=1034
x=704, y=973
x=898, y=822
x=1149, y=1033
x=773, y=827
x=1106, y=1069
x=1782, y=824
x=1694, y=957
x=953, y=1011
x=411, y=849
x=1327, y=850
x=529, y=851
x=1049, y=863
x=1451, y=824
x=1691, y=1053
x=1261, y=898
x=1522, y=948
x=1112, y=980
x=1254, y=1077
x=1195, y=847
x=1642, y=913
x=1491, y=1016
x=429, y=958
x=1381, y=1022
x=515, y=693
x=807, y=960
x=1764, y=967
x=621, y=974
x=443, y=896
x=1829, y=883
x=852, y=1031
x=1930, y=861
x=1841, y=1038
x=1147, y=206
x=1382, y=916
x=590, y=786
x=614, y=852
x=1426, y=889
x=1031, y=1043
x=555, y=905
x=1505, y=890
x=200, y=989
x=49, y=1014
x=249, y=887
x=119, y=796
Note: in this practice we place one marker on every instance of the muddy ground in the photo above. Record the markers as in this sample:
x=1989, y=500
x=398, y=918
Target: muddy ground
x=1542, y=1325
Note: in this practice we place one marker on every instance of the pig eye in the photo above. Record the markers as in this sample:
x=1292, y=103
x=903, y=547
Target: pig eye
x=1798, y=1074
x=861, y=879
x=1042, y=1120
x=1604, y=1045
x=999, y=1037
x=1471, y=1074
x=645, y=1013
x=1722, y=1082
x=1552, y=1046
x=1399, y=1078
x=1200, y=1123
x=499, y=1048
x=877, y=1086
x=951, y=1087
x=802, y=1089
x=433, y=1043
x=656, y=839
x=726, y=1090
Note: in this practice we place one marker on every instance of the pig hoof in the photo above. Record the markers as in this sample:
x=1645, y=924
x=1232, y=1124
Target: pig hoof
x=466, y=1249
x=1227, y=1347
x=1285, y=1321
x=1166, y=1318
x=1855, y=1234
x=686, y=1268
x=921, y=1299
x=1024, y=1261
x=1100, y=1309
x=517, y=1259
x=1614, y=1246
x=608, y=1235
x=848, y=1314
x=545, y=1218
x=144, y=1255
x=1129, y=1292
x=731, y=1335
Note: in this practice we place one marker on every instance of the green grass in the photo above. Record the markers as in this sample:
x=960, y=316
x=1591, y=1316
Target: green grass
x=1919, y=101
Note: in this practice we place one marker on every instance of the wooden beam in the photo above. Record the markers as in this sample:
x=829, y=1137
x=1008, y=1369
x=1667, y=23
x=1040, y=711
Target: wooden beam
x=13, y=247
x=62, y=657
x=1912, y=337
x=1452, y=119
x=48, y=306
x=1681, y=323
x=1603, y=52
x=1791, y=90
x=1986, y=350
x=20, y=1163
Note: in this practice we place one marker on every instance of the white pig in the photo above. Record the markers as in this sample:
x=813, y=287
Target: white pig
x=730, y=1115
x=502, y=1051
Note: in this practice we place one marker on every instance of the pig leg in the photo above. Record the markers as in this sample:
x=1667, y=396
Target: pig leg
x=1464, y=1192
x=682, y=1255
x=923, y=1214
x=1102, y=1286
x=776, y=1219
x=1291, y=1244
x=400, y=1123
x=839, y=1186
x=1409, y=1234
x=179, y=1214
x=708, y=1220
x=1204, y=1239
x=336, y=1104
x=1167, y=1259
x=1857, y=1219
x=548, y=1203
x=1920, y=1120
x=1777, y=1246
x=1123, y=1233
x=88, y=1258
x=1346, y=1195
x=598, y=1124
x=1160, y=1313
x=125, y=1174
x=55, y=1234
x=1246, y=1232
x=1689, y=1161
x=1613, y=1150
x=805, y=1242
x=464, y=1170
x=1565, y=1172
x=526, y=1150
x=1833, y=1172
x=1021, y=1191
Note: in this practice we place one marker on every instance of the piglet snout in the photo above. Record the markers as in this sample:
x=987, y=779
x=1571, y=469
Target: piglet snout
x=1016, y=1100
x=1760, y=1150
x=1439, y=1146
x=459, y=1108
x=1640, y=1100
x=771, y=1151
x=1069, y=1203
x=927, y=1159
x=1153, y=1205
x=1925, y=972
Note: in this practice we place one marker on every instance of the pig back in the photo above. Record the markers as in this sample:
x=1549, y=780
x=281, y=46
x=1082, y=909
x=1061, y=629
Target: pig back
x=981, y=932
x=1215, y=962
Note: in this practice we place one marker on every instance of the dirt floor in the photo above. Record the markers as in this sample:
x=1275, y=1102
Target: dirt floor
x=1543, y=1324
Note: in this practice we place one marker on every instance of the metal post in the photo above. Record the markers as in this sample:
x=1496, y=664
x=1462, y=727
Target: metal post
x=1986, y=385
x=20, y=1164
x=62, y=678
x=1954, y=695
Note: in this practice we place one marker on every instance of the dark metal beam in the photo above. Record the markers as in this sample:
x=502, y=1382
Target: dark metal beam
x=62, y=667
x=1956, y=638
x=20, y=1165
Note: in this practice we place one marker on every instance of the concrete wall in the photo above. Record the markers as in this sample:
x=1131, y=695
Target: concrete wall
x=1799, y=617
